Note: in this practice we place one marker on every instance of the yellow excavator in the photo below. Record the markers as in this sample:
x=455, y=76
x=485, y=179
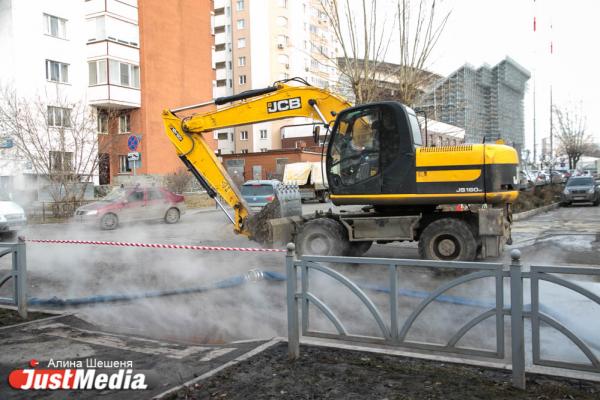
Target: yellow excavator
x=375, y=157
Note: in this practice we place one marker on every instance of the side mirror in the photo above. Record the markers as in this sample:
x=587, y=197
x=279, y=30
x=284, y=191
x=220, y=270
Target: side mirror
x=316, y=133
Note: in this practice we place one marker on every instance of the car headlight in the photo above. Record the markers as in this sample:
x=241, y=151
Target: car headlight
x=566, y=191
x=591, y=190
x=92, y=212
x=2, y=218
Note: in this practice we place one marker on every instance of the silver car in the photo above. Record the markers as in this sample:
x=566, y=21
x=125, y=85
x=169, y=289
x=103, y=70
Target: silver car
x=581, y=189
x=259, y=193
x=12, y=217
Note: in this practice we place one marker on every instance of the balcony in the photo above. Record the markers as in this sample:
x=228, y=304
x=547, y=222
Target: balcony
x=123, y=8
x=114, y=96
x=111, y=49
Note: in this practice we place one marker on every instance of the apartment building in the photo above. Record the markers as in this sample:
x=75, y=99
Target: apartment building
x=124, y=60
x=144, y=58
x=258, y=42
x=41, y=62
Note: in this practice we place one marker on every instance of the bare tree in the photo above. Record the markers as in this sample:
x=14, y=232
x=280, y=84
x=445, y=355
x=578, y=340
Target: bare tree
x=178, y=181
x=570, y=130
x=418, y=32
x=365, y=41
x=58, y=138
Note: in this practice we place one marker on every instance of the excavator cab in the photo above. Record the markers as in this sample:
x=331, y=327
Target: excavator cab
x=372, y=151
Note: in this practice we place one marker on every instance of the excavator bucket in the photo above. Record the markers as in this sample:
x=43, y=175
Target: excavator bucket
x=286, y=204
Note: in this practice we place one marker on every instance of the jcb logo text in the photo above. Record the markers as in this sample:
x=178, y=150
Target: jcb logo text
x=284, y=105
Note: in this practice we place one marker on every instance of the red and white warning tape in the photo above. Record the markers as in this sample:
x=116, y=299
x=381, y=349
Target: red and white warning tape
x=155, y=245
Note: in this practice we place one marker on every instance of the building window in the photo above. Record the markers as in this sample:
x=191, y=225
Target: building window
x=124, y=123
x=283, y=59
x=61, y=161
x=282, y=21
x=57, y=71
x=97, y=72
x=241, y=23
x=220, y=47
x=263, y=150
x=124, y=165
x=242, y=79
x=59, y=117
x=240, y=5
x=124, y=74
x=241, y=43
x=244, y=151
x=244, y=135
x=241, y=61
x=222, y=82
x=55, y=26
x=263, y=133
x=282, y=40
x=102, y=122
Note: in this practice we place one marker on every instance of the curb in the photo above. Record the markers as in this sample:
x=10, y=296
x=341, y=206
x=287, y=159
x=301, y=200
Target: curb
x=528, y=214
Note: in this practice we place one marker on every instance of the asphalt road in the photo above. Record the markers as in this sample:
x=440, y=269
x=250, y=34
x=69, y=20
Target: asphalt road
x=250, y=311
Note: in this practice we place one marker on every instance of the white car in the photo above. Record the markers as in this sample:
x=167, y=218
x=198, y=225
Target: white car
x=12, y=218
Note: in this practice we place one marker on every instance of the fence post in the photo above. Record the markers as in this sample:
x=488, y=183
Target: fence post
x=292, y=303
x=516, y=321
x=20, y=268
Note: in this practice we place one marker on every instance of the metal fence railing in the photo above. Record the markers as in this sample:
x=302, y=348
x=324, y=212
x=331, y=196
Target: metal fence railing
x=18, y=274
x=486, y=317
x=45, y=211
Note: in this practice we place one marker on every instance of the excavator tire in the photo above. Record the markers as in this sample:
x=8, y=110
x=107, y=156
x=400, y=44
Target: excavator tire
x=357, y=249
x=448, y=239
x=322, y=237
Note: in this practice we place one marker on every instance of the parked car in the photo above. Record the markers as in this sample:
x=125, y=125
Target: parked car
x=581, y=189
x=259, y=193
x=557, y=177
x=526, y=180
x=12, y=217
x=132, y=204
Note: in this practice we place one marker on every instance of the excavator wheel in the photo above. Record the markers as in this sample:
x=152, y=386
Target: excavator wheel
x=448, y=239
x=322, y=237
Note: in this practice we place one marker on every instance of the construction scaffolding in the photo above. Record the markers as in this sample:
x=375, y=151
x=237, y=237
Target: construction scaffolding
x=487, y=102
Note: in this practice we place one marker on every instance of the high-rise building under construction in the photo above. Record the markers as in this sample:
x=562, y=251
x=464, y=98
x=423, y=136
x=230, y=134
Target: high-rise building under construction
x=487, y=102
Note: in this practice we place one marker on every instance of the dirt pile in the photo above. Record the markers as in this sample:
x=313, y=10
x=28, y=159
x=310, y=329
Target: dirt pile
x=539, y=196
x=329, y=373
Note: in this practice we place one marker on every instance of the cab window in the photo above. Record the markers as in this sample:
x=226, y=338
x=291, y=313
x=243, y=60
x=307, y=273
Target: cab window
x=355, y=147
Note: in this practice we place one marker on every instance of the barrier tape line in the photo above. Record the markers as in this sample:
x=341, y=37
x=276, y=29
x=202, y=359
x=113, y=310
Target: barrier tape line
x=154, y=245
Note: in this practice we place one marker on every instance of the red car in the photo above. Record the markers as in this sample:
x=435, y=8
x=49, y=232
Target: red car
x=133, y=204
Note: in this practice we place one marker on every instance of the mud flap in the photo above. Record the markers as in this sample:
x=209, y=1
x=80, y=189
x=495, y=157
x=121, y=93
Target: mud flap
x=492, y=230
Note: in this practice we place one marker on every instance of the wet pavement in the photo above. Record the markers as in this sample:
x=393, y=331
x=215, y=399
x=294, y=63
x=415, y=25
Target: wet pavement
x=165, y=364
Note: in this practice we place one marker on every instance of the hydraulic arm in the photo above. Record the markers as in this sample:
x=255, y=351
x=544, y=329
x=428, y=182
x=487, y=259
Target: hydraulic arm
x=276, y=102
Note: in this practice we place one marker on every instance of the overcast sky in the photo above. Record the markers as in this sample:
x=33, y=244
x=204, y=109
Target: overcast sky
x=486, y=31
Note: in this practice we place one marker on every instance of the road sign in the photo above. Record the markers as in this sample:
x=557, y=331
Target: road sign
x=134, y=156
x=132, y=142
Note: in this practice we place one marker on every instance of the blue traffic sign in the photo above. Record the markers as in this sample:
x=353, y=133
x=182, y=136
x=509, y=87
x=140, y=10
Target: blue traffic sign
x=133, y=142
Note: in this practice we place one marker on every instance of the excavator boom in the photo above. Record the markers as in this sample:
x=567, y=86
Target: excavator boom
x=277, y=102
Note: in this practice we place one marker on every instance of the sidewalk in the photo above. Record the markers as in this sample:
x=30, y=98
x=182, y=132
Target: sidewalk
x=166, y=365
